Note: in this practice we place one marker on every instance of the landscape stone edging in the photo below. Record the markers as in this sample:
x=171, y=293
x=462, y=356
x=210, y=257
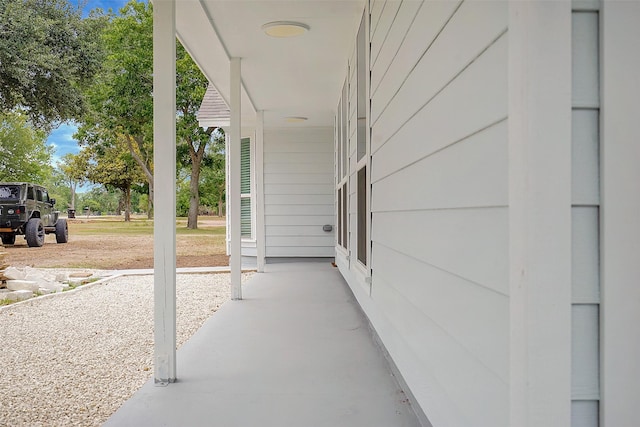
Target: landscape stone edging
x=54, y=294
x=121, y=273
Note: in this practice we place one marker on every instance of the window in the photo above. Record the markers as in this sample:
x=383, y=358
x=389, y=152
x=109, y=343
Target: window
x=342, y=166
x=39, y=194
x=245, y=189
x=362, y=215
x=361, y=144
x=361, y=90
x=340, y=216
x=30, y=193
x=345, y=219
x=343, y=126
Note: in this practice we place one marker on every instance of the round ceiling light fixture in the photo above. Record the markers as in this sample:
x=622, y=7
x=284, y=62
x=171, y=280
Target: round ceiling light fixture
x=283, y=29
x=296, y=119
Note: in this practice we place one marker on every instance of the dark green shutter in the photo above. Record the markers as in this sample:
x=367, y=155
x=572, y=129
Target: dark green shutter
x=245, y=166
x=245, y=188
x=245, y=217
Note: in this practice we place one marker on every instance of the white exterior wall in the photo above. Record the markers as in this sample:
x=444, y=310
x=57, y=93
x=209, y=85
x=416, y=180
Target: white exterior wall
x=298, y=192
x=439, y=202
x=439, y=193
x=503, y=208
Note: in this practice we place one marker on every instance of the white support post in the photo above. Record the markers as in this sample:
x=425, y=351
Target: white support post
x=540, y=213
x=620, y=210
x=234, y=180
x=164, y=157
x=260, y=231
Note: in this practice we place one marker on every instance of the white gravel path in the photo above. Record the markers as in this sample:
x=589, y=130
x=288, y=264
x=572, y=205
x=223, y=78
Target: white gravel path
x=74, y=358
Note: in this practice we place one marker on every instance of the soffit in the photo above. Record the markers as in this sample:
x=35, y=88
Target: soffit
x=300, y=76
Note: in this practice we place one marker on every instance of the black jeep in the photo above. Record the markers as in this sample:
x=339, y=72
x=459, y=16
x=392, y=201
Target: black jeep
x=26, y=209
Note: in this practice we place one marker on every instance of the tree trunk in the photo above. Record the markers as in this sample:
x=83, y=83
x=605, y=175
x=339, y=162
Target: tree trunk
x=127, y=204
x=73, y=195
x=146, y=169
x=150, y=201
x=220, y=204
x=194, y=197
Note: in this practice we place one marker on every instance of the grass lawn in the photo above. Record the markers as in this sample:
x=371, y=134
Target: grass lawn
x=140, y=226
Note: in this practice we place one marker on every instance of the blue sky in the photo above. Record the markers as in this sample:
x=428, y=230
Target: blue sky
x=62, y=141
x=62, y=137
x=103, y=4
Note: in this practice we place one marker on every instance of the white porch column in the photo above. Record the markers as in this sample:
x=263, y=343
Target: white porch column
x=540, y=213
x=234, y=180
x=620, y=210
x=164, y=157
x=260, y=231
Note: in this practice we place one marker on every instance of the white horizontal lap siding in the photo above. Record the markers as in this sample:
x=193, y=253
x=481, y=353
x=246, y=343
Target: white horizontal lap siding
x=298, y=192
x=439, y=195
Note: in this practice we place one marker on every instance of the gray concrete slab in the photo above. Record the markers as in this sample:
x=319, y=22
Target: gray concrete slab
x=297, y=351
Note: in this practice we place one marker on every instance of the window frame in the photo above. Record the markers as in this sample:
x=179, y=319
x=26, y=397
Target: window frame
x=342, y=169
x=363, y=159
x=353, y=154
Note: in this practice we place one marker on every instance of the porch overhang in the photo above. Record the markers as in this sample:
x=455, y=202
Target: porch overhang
x=299, y=76
x=196, y=31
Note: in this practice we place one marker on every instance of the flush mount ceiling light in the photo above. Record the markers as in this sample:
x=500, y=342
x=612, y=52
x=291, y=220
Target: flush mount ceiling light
x=284, y=29
x=295, y=119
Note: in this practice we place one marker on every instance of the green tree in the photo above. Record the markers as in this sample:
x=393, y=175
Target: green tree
x=48, y=53
x=213, y=179
x=182, y=198
x=114, y=167
x=143, y=202
x=58, y=189
x=191, y=86
x=99, y=199
x=73, y=168
x=121, y=97
x=24, y=154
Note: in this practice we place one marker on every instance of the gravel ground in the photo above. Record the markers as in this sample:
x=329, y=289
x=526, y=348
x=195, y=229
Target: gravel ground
x=74, y=358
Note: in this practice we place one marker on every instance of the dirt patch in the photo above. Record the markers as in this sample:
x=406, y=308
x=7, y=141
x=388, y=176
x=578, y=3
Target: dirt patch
x=110, y=252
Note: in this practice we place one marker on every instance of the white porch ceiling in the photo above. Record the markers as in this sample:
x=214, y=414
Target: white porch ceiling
x=300, y=76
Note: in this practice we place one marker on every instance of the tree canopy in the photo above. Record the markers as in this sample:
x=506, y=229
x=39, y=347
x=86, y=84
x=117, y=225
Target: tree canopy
x=73, y=170
x=48, y=54
x=114, y=167
x=121, y=97
x=56, y=66
x=23, y=150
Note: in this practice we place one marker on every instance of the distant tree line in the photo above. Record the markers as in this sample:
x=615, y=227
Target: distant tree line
x=97, y=72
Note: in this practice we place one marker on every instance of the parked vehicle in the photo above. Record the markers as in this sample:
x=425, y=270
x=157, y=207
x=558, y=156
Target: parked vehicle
x=26, y=209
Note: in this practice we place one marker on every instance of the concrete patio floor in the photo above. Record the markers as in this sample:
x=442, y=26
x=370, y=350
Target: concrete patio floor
x=297, y=351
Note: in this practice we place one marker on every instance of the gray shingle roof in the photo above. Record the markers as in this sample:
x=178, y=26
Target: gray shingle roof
x=213, y=109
